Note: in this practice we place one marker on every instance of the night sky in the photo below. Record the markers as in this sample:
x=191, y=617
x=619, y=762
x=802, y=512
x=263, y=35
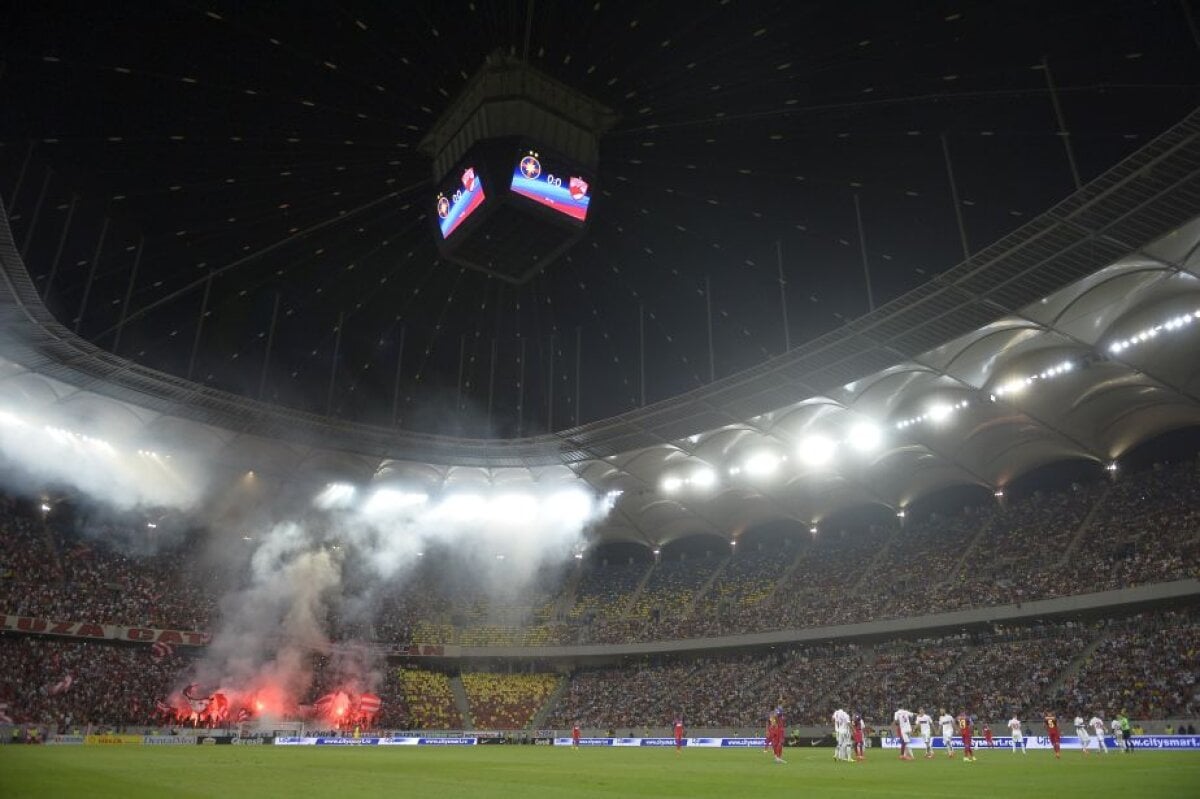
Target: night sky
x=277, y=143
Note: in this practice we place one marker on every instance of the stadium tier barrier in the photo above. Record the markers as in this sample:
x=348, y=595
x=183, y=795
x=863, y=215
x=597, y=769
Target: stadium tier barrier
x=1165, y=743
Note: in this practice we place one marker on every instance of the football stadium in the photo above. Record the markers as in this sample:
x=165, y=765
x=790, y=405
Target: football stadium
x=523, y=398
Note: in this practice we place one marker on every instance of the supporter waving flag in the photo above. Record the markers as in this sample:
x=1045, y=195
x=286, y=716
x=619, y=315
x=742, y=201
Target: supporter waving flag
x=160, y=650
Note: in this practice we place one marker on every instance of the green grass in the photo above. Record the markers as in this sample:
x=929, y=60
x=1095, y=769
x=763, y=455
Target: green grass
x=132, y=772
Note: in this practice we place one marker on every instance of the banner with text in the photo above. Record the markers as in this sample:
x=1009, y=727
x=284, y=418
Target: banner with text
x=101, y=632
x=1163, y=742
x=735, y=743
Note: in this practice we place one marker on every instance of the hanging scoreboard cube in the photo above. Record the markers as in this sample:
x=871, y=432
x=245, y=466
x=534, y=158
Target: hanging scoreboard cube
x=514, y=164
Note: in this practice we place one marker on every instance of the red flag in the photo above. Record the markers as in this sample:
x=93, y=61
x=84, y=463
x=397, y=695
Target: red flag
x=163, y=707
x=62, y=686
x=160, y=650
x=243, y=715
x=369, y=704
x=323, y=703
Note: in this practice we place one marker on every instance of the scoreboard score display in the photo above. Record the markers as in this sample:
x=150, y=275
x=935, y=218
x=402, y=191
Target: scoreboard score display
x=545, y=182
x=464, y=198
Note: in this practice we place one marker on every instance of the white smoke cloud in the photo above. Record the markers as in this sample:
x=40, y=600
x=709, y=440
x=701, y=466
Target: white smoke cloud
x=307, y=562
x=101, y=464
x=338, y=560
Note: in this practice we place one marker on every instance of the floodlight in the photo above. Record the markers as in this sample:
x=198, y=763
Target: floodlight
x=462, y=507
x=335, y=495
x=510, y=508
x=570, y=504
x=391, y=500
x=865, y=436
x=816, y=450
x=939, y=412
x=703, y=478
x=671, y=484
x=762, y=464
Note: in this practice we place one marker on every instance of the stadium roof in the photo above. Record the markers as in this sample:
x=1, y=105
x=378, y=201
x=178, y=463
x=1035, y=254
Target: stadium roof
x=1073, y=337
x=235, y=195
x=228, y=192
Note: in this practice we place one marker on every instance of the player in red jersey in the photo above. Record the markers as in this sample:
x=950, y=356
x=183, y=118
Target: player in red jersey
x=858, y=732
x=987, y=735
x=678, y=736
x=575, y=736
x=964, y=730
x=1054, y=733
x=775, y=737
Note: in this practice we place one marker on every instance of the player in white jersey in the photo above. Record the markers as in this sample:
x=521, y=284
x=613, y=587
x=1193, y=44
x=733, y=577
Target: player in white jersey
x=1081, y=730
x=1018, y=737
x=1097, y=725
x=903, y=720
x=841, y=733
x=925, y=726
x=1116, y=731
x=946, y=722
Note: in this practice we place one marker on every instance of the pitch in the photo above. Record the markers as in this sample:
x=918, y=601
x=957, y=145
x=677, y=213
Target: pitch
x=559, y=773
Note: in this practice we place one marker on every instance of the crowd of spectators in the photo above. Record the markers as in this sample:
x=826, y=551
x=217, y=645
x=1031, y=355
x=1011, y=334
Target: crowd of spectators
x=672, y=587
x=634, y=695
x=60, y=575
x=356, y=673
x=1011, y=674
x=106, y=684
x=604, y=590
x=506, y=701
x=1144, y=527
x=430, y=700
x=1147, y=529
x=1145, y=667
x=747, y=580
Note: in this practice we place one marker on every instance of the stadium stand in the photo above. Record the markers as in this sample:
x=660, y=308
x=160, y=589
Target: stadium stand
x=506, y=701
x=384, y=682
x=429, y=699
x=62, y=575
x=1142, y=528
x=1146, y=667
x=604, y=590
x=110, y=684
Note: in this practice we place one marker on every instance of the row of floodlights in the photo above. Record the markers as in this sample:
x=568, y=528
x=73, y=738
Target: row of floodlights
x=1017, y=385
x=937, y=413
x=1142, y=336
x=569, y=504
x=813, y=450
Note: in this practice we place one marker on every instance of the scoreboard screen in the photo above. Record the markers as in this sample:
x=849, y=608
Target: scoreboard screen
x=464, y=198
x=551, y=185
